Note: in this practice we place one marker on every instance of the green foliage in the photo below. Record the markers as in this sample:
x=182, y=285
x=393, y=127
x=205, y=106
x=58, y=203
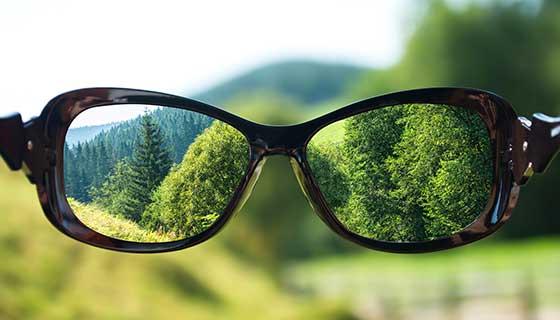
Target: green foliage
x=442, y=168
x=113, y=194
x=197, y=191
x=328, y=167
x=407, y=173
x=371, y=211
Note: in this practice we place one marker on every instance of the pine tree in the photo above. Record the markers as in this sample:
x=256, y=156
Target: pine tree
x=150, y=164
x=103, y=165
x=82, y=187
x=78, y=174
x=113, y=194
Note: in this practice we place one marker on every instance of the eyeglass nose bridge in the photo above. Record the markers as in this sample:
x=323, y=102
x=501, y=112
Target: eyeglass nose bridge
x=279, y=140
x=286, y=141
x=296, y=154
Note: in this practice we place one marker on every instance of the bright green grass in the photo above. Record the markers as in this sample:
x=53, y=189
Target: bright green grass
x=115, y=227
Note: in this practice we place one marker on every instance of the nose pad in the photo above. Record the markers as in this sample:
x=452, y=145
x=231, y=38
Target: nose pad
x=300, y=176
x=250, y=185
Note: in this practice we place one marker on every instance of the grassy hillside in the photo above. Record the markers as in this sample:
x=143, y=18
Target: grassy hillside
x=45, y=275
x=117, y=227
x=307, y=82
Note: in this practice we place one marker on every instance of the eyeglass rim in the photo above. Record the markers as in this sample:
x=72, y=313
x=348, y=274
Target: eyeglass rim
x=49, y=130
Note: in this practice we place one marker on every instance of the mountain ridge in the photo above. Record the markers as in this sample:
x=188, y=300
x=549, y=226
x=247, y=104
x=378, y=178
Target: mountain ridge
x=308, y=82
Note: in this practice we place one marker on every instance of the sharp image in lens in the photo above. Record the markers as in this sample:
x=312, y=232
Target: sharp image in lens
x=151, y=174
x=405, y=173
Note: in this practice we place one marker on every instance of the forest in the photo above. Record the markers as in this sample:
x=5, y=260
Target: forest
x=406, y=172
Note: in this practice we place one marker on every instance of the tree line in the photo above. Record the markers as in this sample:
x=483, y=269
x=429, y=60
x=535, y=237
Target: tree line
x=88, y=164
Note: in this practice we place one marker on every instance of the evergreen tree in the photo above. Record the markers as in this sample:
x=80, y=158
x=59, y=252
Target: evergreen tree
x=113, y=194
x=103, y=163
x=150, y=164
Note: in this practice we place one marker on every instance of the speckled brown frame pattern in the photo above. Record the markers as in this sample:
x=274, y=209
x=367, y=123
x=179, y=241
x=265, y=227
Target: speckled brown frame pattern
x=519, y=147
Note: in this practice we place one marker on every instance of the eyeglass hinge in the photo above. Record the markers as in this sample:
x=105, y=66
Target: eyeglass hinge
x=536, y=143
x=36, y=157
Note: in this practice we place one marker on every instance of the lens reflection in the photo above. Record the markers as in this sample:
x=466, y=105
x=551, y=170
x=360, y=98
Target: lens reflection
x=405, y=173
x=151, y=174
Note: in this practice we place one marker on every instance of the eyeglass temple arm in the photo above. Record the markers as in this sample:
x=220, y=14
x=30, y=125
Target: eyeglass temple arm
x=12, y=140
x=537, y=143
x=22, y=146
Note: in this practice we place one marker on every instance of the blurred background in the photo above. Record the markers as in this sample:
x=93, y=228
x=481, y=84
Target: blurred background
x=280, y=63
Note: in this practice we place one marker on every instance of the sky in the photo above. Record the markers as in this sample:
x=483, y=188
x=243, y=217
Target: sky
x=181, y=47
x=110, y=114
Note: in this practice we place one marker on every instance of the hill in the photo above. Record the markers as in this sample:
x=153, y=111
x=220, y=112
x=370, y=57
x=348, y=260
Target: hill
x=307, y=82
x=84, y=134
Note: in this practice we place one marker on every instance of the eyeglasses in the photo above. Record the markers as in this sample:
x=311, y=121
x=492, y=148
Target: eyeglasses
x=412, y=171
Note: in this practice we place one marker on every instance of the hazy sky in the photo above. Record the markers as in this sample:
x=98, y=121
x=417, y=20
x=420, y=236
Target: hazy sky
x=180, y=47
x=110, y=114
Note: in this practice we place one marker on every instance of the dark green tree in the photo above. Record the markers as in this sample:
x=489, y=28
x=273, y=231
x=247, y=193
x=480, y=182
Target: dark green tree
x=150, y=164
x=114, y=193
x=70, y=172
x=76, y=183
x=102, y=163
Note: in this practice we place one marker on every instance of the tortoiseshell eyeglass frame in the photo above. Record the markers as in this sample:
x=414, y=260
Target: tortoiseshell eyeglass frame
x=520, y=147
